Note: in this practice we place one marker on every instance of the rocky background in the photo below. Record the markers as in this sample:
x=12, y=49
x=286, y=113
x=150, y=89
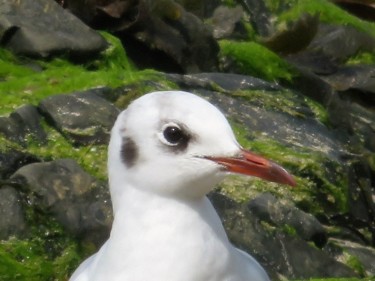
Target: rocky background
x=295, y=78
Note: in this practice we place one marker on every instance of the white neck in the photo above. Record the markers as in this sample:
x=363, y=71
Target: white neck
x=153, y=230
x=148, y=211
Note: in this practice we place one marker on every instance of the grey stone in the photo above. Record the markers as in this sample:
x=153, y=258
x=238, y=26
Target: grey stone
x=343, y=250
x=341, y=41
x=41, y=28
x=11, y=130
x=28, y=116
x=24, y=122
x=77, y=200
x=11, y=160
x=224, y=20
x=260, y=16
x=168, y=37
x=358, y=77
x=13, y=222
x=281, y=213
x=223, y=81
x=361, y=199
x=82, y=117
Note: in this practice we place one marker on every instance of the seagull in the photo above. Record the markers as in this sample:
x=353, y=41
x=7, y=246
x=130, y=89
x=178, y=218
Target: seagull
x=167, y=150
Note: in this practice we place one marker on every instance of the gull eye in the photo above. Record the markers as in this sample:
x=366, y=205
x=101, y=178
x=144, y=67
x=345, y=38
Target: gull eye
x=173, y=134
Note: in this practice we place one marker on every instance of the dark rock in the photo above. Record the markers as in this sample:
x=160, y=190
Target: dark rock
x=55, y=31
x=354, y=117
x=225, y=20
x=363, y=256
x=305, y=261
x=202, y=9
x=23, y=123
x=11, y=160
x=83, y=117
x=12, y=221
x=168, y=37
x=346, y=231
x=185, y=39
x=341, y=41
x=332, y=46
x=11, y=130
x=317, y=63
x=209, y=7
x=362, y=9
x=282, y=256
x=30, y=118
x=282, y=213
x=361, y=200
x=260, y=16
x=358, y=77
x=311, y=85
x=79, y=202
x=351, y=112
x=361, y=122
x=223, y=81
x=221, y=202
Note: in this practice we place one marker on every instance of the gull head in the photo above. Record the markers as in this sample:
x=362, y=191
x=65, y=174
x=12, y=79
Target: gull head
x=177, y=144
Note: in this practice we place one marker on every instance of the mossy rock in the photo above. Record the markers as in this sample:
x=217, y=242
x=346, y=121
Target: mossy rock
x=254, y=59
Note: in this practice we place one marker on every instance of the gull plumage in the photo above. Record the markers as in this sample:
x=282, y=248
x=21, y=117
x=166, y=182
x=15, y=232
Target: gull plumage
x=167, y=151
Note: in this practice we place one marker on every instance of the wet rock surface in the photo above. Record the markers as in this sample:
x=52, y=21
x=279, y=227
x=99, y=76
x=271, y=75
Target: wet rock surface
x=319, y=125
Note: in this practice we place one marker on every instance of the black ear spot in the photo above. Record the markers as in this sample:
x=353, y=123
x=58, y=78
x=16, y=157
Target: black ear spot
x=129, y=152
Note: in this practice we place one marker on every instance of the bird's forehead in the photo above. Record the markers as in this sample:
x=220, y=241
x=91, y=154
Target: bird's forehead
x=168, y=106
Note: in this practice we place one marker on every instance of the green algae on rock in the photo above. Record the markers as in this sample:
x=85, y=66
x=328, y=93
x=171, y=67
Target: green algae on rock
x=48, y=254
x=254, y=59
x=27, y=81
x=362, y=58
x=328, y=13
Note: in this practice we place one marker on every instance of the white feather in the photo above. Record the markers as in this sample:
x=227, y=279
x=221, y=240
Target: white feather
x=164, y=228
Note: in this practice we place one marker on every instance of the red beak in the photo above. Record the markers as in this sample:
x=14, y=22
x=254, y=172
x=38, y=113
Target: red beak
x=248, y=163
